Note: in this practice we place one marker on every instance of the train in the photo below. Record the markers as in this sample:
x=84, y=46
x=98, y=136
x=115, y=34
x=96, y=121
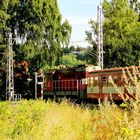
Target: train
x=85, y=82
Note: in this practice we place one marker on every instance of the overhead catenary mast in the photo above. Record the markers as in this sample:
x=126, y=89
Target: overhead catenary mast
x=100, y=61
x=9, y=71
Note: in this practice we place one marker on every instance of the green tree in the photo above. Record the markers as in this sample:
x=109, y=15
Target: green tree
x=121, y=34
x=90, y=55
x=71, y=60
x=40, y=27
x=91, y=37
x=40, y=32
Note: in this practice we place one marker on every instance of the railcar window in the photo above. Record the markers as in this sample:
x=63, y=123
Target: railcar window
x=95, y=81
x=115, y=79
x=91, y=81
x=104, y=80
x=110, y=79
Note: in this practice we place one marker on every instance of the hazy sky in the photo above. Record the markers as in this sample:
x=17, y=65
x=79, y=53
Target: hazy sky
x=78, y=13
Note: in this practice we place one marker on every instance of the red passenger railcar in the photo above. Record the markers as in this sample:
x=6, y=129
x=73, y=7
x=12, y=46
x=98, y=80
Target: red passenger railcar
x=101, y=83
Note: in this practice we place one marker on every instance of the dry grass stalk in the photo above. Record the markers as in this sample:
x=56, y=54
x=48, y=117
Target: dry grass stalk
x=131, y=82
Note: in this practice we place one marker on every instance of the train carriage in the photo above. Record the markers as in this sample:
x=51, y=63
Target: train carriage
x=101, y=83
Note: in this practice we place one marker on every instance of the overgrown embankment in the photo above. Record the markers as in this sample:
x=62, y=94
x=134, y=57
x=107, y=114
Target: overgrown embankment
x=39, y=120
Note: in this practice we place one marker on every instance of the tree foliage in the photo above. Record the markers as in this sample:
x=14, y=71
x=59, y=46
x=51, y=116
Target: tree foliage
x=121, y=32
x=71, y=60
x=39, y=31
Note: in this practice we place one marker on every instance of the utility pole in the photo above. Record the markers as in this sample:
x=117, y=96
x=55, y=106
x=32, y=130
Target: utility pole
x=10, y=71
x=100, y=61
x=39, y=81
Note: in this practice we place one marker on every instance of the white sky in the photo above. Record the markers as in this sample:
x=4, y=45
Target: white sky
x=78, y=13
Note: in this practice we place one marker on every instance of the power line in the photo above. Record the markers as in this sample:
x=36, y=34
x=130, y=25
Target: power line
x=91, y=54
x=82, y=43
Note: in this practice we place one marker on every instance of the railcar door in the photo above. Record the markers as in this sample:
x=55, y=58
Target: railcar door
x=107, y=89
x=104, y=86
x=93, y=86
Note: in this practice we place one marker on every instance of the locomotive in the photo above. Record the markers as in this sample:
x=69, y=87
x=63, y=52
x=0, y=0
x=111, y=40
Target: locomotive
x=69, y=82
x=85, y=82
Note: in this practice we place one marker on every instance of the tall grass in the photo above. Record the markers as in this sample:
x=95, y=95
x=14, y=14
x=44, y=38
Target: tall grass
x=131, y=83
x=39, y=120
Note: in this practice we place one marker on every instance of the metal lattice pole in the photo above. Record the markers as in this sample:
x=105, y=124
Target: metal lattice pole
x=100, y=61
x=10, y=71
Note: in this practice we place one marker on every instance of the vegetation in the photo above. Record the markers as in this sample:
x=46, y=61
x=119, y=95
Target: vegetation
x=74, y=56
x=131, y=79
x=38, y=26
x=40, y=37
x=39, y=120
x=120, y=31
x=71, y=60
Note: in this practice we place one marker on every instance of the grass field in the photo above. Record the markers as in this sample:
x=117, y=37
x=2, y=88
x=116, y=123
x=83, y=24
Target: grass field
x=40, y=120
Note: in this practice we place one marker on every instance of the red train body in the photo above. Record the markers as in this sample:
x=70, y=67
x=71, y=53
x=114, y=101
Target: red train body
x=84, y=81
x=68, y=81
